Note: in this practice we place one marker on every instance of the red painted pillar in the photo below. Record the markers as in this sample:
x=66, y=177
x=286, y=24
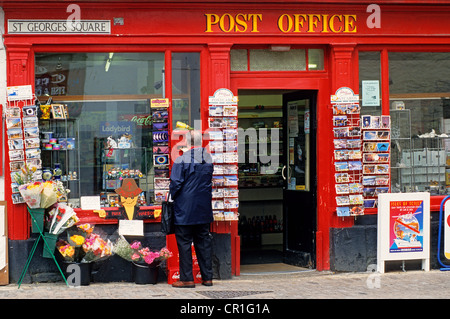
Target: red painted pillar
x=19, y=72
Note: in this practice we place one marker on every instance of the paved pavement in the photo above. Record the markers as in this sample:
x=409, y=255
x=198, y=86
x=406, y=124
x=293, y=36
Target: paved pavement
x=312, y=284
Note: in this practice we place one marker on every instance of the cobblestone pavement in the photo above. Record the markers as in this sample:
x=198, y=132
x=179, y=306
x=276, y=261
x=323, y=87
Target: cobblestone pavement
x=434, y=284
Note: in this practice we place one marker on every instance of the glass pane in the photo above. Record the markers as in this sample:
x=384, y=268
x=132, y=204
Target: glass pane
x=298, y=148
x=186, y=88
x=419, y=90
x=62, y=74
x=370, y=70
x=419, y=72
x=108, y=137
x=267, y=60
x=315, y=60
x=238, y=59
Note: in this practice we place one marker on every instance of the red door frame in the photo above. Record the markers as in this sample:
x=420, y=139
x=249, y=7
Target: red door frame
x=324, y=177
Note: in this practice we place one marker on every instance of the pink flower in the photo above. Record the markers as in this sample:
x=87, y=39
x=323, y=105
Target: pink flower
x=150, y=257
x=136, y=245
x=135, y=256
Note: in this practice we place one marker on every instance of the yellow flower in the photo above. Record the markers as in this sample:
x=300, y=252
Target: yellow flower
x=77, y=239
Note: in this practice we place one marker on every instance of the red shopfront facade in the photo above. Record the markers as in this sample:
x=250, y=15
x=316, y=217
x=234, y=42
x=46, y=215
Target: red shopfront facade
x=342, y=31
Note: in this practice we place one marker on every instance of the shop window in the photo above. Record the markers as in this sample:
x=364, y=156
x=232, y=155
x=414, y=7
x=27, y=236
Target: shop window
x=186, y=88
x=370, y=82
x=419, y=91
x=287, y=59
x=104, y=130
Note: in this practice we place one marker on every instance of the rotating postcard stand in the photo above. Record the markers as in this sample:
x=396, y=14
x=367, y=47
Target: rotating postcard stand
x=33, y=249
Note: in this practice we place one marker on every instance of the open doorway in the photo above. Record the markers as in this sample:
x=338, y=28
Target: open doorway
x=277, y=177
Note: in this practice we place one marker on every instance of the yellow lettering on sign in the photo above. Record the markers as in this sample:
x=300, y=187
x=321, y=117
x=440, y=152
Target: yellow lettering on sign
x=237, y=23
x=296, y=23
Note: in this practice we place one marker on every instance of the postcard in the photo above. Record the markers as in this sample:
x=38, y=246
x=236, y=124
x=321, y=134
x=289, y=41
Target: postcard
x=340, y=144
x=339, y=109
x=370, y=157
x=230, y=203
x=30, y=121
x=33, y=153
x=382, y=169
x=230, y=180
x=217, y=204
x=160, y=159
x=32, y=142
x=29, y=111
x=366, y=121
x=16, y=155
x=218, y=170
x=343, y=211
x=230, y=157
x=354, y=143
x=216, y=110
x=217, y=158
x=369, y=203
x=230, y=192
x=356, y=210
x=381, y=190
x=216, y=146
x=230, y=110
x=385, y=122
x=369, y=191
x=341, y=155
x=354, y=154
x=215, y=122
x=230, y=134
x=218, y=181
x=342, y=189
x=161, y=183
x=217, y=193
x=340, y=132
x=355, y=188
x=354, y=166
x=13, y=123
x=31, y=132
x=353, y=109
x=370, y=146
x=342, y=177
x=231, y=146
x=342, y=200
x=354, y=131
x=16, y=165
x=215, y=135
x=12, y=112
x=370, y=135
x=356, y=199
x=229, y=122
x=382, y=180
x=341, y=166
x=14, y=133
x=368, y=180
x=340, y=120
x=15, y=144
x=382, y=147
x=383, y=135
x=230, y=169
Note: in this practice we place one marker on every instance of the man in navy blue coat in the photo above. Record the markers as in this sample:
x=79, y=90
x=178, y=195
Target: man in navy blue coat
x=191, y=191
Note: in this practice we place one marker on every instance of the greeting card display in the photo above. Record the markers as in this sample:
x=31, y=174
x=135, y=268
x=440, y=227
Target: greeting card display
x=376, y=157
x=160, y=137
x=222, y=124
x=348, y=164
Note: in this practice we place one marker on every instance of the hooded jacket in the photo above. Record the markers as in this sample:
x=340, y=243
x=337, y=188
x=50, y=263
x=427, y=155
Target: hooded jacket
x=191, y=187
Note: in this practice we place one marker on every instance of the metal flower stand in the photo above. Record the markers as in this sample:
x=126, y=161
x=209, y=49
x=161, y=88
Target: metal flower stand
x=47, y=249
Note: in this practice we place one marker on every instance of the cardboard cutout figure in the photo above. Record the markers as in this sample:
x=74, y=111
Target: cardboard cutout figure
x=129, y=194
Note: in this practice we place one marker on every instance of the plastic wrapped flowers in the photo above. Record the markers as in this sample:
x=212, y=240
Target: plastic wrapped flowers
x=136, y=253
x=61, y=218
x=84, y=245
x=43, y=194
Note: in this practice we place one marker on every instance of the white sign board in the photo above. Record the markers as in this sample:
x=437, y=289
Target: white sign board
x=16, y=26
x=131, y=227
x=403, y=228
x=90, y=202
x=370, y=93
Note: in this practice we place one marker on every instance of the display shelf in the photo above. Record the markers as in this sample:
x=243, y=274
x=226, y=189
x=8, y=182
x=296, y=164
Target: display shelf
x=59, y=141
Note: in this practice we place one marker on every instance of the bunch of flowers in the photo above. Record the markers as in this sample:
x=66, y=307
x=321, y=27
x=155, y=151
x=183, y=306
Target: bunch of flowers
x=135, y=252
x=61, y=217
x=144, y=254
x=85, y=245
x=41, y=194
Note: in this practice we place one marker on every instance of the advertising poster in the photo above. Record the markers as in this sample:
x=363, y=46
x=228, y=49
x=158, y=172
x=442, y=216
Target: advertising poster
x=406, y=224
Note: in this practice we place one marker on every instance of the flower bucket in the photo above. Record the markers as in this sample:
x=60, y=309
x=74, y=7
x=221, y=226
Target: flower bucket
x=83, y=270
x=51, y=242
x=144, y=274
x=38, y=215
